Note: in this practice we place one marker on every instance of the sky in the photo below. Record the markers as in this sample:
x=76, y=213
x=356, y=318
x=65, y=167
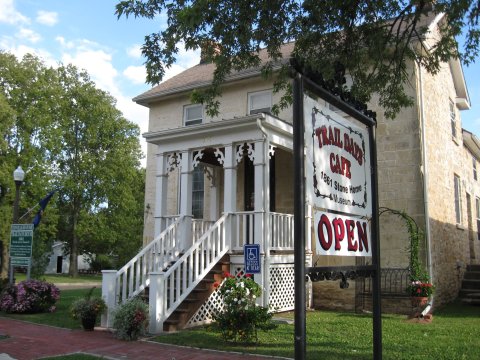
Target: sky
x=87, y=34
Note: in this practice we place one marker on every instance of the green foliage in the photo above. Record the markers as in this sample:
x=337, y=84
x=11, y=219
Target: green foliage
x=241, y=317
x=131, y=319
x=67, y=134
x=29, y=296
x=375, y=41
x=88, y=306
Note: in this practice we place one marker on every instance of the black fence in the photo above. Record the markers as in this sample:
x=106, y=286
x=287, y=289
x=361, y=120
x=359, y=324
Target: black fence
x=394, y=282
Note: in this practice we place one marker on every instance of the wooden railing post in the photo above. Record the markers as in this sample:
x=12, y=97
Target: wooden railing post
x=156, y=301
x=109, y=296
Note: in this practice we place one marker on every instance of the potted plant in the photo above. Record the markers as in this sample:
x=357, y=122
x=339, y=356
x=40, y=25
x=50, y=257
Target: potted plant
x=87, y=309
x=419, y=292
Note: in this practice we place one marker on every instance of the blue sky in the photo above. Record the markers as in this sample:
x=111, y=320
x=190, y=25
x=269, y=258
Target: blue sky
x=88, y=34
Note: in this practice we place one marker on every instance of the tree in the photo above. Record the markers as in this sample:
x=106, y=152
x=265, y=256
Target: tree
x=97, y=163
x=68, y=135
x=370, y=40
x=27, y=93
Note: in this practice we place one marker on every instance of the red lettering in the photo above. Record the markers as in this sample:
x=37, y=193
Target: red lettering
x=362, y=235
x=321, y=134
x=325, y=223
x=339, y=229
x=352, y=245
x=340, y=165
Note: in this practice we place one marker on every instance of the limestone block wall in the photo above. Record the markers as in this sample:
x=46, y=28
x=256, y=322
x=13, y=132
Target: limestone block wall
x=445, y=154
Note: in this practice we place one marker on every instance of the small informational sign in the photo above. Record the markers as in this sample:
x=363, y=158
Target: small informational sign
x=21, y=239
x=252, y=259
x=338, y=180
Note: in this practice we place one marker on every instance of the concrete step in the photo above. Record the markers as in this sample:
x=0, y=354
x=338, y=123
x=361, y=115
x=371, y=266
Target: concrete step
x=471, y=284
x=473, y=267
x=472, y=275
x=468, y=293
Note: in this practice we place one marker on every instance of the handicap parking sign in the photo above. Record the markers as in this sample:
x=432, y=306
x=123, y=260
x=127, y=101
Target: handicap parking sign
x=252, y=259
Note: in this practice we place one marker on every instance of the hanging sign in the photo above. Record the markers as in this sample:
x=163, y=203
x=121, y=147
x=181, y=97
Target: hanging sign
x=338, y=180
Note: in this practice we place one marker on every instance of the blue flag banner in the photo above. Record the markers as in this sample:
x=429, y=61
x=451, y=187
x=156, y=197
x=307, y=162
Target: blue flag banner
x=43, y=204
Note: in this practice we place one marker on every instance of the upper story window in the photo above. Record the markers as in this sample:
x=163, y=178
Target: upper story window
x=453, y=119
x=193, y=114
x=474, y=165
x=458, y=201
x=477, y=207
x=259, y=102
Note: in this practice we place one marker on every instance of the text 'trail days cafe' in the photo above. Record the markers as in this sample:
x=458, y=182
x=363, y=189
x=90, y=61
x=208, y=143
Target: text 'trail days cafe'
x=338, y=181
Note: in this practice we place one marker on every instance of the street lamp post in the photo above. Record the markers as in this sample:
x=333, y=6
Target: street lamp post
x=18, y=176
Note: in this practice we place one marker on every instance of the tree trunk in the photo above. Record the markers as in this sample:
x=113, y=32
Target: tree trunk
x=73, y=269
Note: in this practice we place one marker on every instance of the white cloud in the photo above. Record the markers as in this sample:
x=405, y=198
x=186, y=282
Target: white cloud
x=98, y=64
x=28, y=35
x=135, y=51
x=136, y=74
x=9, y=15
x=48, y=18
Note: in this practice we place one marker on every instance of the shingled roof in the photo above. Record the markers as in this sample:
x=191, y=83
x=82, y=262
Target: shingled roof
x=201, y=75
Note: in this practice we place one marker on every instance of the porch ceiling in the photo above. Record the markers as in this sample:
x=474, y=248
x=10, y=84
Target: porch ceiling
x=219, y=133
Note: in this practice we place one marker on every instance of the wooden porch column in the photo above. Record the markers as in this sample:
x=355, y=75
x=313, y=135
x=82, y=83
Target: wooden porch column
x=261, y=206
x=214, y=195
x=161, y=191
x=186, y=178
x=230, y=191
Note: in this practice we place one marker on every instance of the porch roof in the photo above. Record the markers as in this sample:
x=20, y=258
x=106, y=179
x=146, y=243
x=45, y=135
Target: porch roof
x=219, y=133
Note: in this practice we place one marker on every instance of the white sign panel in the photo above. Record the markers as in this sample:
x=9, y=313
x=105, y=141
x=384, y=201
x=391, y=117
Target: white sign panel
x=342, y=235
x=338, y=164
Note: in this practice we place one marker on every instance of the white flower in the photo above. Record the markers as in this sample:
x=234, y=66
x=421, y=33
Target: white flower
x=239, y=302
x=247, y=292
x=235, y=300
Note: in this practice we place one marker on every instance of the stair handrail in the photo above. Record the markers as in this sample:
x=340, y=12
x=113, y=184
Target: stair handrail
x=183, y=284
x=155, y=256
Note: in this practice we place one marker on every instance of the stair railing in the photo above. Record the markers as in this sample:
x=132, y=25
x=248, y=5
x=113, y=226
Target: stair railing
x=168, y=289
x=133, y=278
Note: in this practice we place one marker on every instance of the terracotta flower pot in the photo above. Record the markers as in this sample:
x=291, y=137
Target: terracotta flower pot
x=418, y=301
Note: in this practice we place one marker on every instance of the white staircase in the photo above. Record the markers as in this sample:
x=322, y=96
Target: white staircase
x=170, y=275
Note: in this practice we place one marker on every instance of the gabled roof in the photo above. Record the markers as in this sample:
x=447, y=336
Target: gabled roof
x=201, y=75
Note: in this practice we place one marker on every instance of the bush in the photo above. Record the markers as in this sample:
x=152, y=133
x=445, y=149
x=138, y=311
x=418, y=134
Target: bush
x=241, y=316
x=30, y=296
x=88, y=306
x=131, y=320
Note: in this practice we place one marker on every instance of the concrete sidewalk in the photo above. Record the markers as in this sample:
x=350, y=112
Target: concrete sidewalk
x=28, y=341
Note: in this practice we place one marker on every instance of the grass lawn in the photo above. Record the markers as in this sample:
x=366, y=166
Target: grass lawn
x=453, y=334
x=61, y=317
x=63, y=278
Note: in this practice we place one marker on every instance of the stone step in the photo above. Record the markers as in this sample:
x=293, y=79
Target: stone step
x=467, y=293
x=472, y=275
x=473, y=267
x=471, y=284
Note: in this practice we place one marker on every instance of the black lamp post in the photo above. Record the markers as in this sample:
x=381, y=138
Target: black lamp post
x=18, y=176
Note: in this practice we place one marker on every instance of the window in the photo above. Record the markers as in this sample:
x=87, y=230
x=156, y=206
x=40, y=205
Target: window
x=193, y=114
x=458, y=202
x=259, y=102
x=474, y=164
x=197, y=192
x=477, y=208
x=453, y=119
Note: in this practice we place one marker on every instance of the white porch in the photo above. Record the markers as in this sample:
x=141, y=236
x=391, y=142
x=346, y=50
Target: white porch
x=246, y=163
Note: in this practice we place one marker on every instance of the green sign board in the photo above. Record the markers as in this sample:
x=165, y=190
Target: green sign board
x=21, y=239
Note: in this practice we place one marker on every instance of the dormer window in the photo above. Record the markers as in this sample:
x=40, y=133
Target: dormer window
x=260, y=102
x=193, y=114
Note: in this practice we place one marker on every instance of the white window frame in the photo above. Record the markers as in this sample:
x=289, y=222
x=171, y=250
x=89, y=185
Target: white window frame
x=477, y=215
x=195, y=121
x=252, y=111
x=457, y=190
x=453, y=119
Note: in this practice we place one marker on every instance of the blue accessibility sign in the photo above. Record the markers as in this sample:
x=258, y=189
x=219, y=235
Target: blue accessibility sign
x=252, y=259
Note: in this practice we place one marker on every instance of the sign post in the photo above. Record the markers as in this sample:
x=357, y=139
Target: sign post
x=335, y=172
x=252, y=259
x=21, y=240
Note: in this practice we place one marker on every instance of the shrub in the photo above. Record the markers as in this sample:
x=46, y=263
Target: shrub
x=241, y=317
x=30, y=296
x=131, y=319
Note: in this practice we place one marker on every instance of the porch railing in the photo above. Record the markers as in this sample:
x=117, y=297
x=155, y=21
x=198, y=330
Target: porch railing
x=199, y=227
x=133, y=278
x=281, y=231
x=168, y=289
x=242, y=225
